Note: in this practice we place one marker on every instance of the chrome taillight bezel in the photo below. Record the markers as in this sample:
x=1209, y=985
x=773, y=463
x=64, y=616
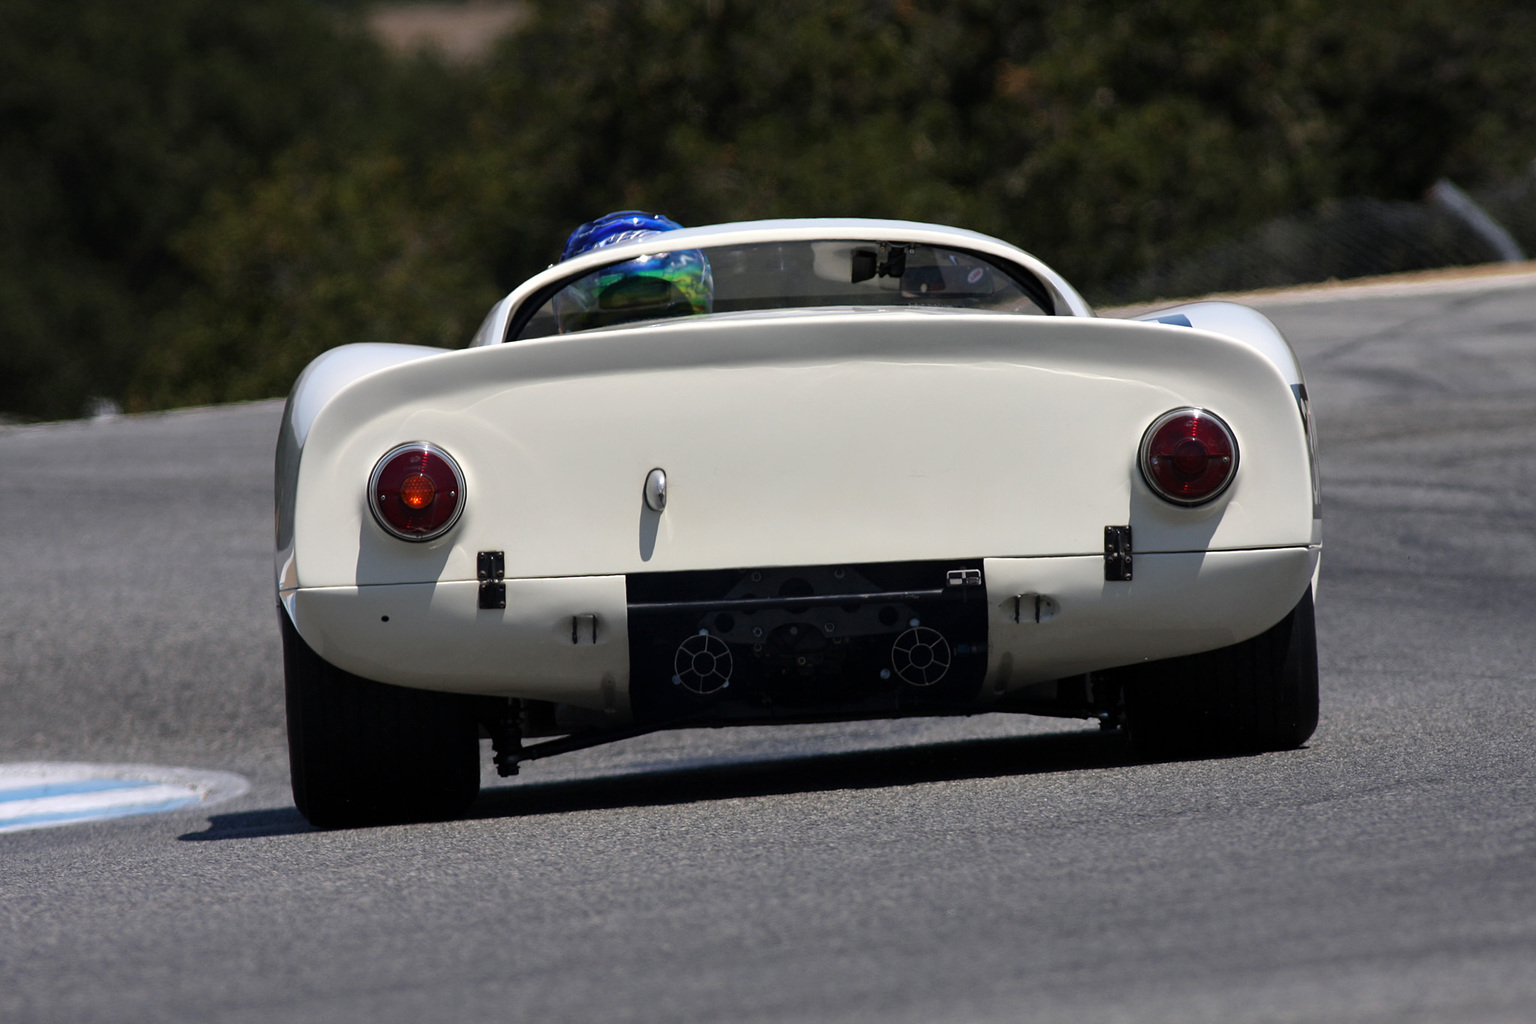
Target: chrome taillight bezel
x=374, y=498
x=1144, y=456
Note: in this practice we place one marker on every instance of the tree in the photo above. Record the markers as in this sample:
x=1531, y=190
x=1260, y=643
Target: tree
x=119, y=122
x=311, y=257
x=1104, y=135
x=196, y=199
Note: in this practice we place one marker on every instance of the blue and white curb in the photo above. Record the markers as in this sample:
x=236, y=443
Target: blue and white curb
x=44, y=794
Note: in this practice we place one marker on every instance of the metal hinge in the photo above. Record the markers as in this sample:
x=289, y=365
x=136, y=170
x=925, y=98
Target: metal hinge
x=1117, y=553
x=491, y=568
x=962, y=578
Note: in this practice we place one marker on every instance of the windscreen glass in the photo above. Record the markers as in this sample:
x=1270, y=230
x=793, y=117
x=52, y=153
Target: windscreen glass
x=783, y=275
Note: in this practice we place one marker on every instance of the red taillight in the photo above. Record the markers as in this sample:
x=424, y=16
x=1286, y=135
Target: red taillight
x=1188, y=456
x=416, y=492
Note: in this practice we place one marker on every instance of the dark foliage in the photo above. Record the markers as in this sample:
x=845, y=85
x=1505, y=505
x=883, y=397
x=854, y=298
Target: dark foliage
x=121, y=123
x=199, y=196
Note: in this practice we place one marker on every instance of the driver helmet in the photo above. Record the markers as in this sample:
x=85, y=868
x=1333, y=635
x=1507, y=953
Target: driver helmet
x=649, y=287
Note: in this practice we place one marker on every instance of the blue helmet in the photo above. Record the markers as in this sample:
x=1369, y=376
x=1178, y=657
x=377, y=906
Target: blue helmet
x=653, y=286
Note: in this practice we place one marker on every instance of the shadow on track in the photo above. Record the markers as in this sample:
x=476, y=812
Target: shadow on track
x=774, y=776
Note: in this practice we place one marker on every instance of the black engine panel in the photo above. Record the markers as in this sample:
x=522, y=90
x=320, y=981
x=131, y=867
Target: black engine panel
x=803, y=643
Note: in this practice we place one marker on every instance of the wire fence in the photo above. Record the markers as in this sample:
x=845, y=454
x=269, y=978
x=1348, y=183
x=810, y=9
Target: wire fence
x=1350, y=238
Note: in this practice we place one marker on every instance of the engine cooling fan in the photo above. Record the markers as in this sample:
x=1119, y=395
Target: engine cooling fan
x=702, y=663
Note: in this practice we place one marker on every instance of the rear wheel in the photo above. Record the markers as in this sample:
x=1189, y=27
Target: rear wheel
x=367, y=753
x=1254, y=696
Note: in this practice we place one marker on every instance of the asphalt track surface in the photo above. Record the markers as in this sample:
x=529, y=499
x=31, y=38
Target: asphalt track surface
x=989, y=869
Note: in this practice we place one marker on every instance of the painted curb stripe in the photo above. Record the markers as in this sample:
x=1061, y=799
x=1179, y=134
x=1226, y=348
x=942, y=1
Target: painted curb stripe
x=44, y=794
x=91, y=814
x=134, y=798
x=67, y=788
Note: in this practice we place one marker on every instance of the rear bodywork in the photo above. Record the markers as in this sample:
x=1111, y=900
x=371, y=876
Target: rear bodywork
x=869, y=511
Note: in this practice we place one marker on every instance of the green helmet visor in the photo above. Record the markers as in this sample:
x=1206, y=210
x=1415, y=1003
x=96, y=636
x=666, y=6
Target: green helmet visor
x=651, y=287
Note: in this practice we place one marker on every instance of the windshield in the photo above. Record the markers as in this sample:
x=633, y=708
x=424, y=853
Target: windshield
x=781, y=275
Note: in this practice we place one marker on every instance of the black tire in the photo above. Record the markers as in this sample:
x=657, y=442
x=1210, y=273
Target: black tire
x=1254, y=696
x=367, y=753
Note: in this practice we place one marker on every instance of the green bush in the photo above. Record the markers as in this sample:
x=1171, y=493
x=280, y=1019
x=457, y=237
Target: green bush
x=198, y=196
x=309, y=259
x=121, y=122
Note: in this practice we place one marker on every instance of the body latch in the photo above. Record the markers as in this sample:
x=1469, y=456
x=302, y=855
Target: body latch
x=491, y=568
x=1117, y=554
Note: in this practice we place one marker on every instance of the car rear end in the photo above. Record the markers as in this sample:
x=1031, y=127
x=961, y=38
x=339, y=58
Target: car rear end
x=865, y=512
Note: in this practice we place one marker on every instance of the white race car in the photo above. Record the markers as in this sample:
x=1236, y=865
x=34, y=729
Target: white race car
x=886, y=469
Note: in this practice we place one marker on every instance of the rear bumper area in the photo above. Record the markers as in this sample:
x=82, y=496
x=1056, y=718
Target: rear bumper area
x=801, y=642
x=1050, y=618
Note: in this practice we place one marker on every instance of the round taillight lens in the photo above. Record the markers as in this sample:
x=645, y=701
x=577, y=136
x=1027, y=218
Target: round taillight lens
x=416, y=491
x=1188, y=456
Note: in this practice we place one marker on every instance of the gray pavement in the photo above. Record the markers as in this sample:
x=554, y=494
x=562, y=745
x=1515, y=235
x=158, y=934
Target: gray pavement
x=992, y=869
